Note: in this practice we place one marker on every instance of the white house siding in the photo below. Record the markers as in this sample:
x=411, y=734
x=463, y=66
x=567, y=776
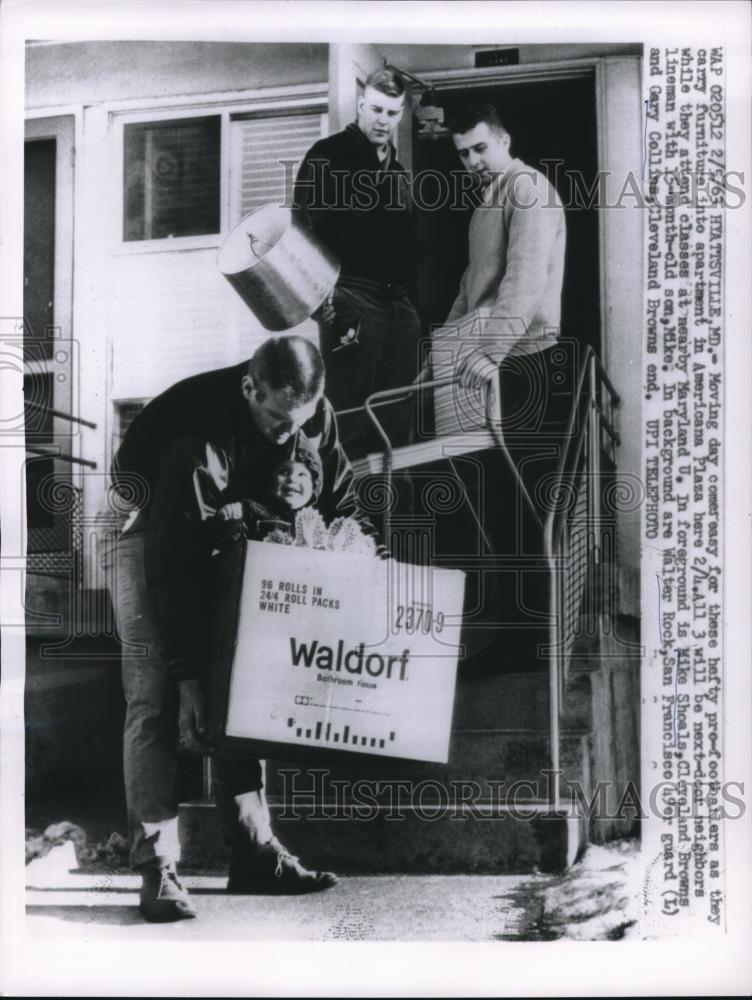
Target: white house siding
x=88, y=73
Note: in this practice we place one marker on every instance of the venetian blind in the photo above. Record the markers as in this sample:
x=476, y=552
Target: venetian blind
x=259, y=147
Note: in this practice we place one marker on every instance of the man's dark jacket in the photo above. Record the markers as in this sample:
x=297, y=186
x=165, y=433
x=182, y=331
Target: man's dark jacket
x=358, y=207
x=191, y=450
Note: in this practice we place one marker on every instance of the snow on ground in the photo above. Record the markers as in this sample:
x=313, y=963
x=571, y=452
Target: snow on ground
x=598, y=898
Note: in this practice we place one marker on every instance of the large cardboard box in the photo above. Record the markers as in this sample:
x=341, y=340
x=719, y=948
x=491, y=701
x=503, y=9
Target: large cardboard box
x=334, y=652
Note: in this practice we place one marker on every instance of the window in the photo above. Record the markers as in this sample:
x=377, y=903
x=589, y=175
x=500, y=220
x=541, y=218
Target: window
x=267, y=151
x=126, y=412
x=171, y=178
x=39, y=468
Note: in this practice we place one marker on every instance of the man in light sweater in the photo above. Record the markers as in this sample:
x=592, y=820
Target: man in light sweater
x=507, y=313
x=516, y=249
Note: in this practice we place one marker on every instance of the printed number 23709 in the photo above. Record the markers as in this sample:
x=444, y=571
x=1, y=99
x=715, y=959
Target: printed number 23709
x=418, y=618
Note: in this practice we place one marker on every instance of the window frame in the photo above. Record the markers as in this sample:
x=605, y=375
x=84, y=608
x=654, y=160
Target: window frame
x=116, y=435
x=237, y=117
x=186, y=120
x=311, y=99
x=170, y=243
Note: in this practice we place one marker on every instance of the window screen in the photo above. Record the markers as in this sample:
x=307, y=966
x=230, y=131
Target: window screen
x=266, y=155
x=39, y=468
x=171, y=178
x=127, y=411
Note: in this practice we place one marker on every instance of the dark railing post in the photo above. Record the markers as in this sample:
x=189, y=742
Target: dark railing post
x=554, y=672
x=594, y=416
x=207, y=778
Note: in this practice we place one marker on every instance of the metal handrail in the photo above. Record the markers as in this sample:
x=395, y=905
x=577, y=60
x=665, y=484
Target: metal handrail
x=585, y=404
x=589, y=362
x=61, y=456
x=48, y=450
x=59, y=413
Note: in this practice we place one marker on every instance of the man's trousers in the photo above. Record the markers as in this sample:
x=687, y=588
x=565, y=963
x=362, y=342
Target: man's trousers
x=373, y=344
x=150, y=745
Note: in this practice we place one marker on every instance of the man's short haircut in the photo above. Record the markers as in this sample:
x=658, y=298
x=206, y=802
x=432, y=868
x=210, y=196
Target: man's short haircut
x=387, y=81
x=466, y=118
x=290, y=364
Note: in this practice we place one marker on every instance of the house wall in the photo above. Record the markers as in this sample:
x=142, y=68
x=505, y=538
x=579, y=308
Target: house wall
x=622, y=229
x=422, y=59
x=89, y=73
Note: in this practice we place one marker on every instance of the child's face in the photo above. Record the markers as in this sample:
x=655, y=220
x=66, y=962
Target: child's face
x=292, y=483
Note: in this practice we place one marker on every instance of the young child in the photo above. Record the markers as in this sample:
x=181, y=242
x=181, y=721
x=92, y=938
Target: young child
x=294, y=484
x=289, y=516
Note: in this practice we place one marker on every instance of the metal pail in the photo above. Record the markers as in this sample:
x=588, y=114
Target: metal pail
x=279, y=269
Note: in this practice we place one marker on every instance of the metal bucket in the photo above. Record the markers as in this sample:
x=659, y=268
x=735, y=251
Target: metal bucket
x=279, y=270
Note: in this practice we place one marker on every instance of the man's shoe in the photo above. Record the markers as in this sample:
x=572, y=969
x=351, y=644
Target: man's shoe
x=163, y=897
x=271, y=869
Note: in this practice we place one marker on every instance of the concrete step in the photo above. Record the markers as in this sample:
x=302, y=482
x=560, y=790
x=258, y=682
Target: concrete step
x=366, y=817
x=493, y=700
x=487, y=699
x=481, y=760
x=454, y=841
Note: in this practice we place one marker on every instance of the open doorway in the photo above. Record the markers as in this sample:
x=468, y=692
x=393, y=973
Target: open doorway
x=551, y=122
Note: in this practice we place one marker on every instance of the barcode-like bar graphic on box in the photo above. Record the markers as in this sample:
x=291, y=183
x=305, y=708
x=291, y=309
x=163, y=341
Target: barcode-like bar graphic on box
x=323, y=731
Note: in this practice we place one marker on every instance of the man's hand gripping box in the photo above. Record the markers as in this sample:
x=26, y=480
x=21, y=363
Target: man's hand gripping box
x=325, y=652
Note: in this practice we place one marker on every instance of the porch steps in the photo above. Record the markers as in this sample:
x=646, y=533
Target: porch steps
x=486, y=699
x=486, y=762
x=459, y=817
x=491, y=841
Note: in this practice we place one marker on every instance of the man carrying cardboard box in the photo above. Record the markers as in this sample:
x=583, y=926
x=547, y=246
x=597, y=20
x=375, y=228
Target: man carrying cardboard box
x=208, y=441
